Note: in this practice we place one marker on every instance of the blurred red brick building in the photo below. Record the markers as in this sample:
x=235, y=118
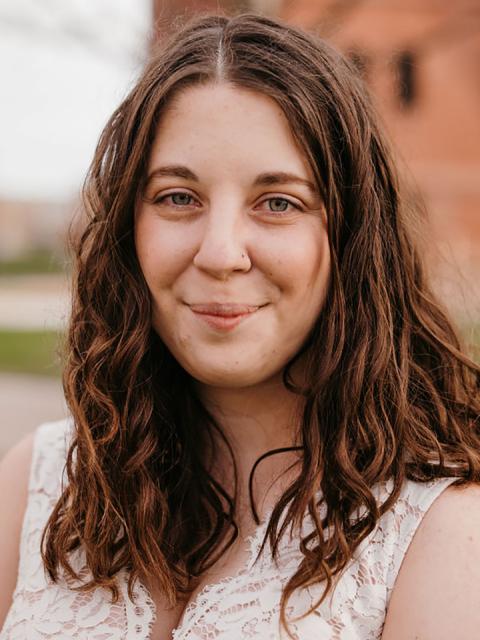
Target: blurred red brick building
x=421, y=61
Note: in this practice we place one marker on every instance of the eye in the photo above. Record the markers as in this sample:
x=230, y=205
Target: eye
x=178, y=199
x=280, y=205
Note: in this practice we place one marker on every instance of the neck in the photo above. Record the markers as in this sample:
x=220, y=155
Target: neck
x=256, y=420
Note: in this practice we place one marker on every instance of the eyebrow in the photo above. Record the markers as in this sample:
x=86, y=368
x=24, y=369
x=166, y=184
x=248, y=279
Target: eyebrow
x=263, y=179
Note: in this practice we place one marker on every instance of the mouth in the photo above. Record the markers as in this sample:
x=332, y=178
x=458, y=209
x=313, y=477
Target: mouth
x=223, y=317
x=223, y=309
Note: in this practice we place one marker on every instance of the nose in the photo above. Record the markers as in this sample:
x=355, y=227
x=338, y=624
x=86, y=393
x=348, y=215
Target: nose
x=223, y=247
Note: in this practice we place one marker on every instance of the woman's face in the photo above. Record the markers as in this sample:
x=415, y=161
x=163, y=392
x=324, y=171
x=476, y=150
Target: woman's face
x=231, y=236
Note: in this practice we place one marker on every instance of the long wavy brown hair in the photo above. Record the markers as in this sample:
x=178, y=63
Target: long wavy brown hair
x=390, y=393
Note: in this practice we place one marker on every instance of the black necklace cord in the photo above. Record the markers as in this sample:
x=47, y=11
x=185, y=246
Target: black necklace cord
x=250, y=479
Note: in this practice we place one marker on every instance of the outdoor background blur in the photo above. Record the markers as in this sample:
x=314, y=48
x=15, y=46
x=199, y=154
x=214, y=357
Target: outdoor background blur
x=66, y=64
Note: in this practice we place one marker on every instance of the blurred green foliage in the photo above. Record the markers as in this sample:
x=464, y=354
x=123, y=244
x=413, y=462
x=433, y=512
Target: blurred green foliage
x=35, y=352
x=38, y=261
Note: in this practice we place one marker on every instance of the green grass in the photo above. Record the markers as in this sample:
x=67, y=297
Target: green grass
x=32, y=352
x=39, y=261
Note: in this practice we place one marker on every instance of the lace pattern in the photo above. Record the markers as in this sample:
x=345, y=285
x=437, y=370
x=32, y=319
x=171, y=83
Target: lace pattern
x=246, y=605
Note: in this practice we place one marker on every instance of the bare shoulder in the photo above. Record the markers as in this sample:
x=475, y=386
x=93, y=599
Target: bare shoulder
x=14, y=475
x=437, y=592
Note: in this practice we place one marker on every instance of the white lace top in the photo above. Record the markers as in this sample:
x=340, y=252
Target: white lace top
x=243, y=606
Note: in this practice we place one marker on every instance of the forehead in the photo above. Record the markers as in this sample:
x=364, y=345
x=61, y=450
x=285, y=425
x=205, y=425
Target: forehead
x=221, y=124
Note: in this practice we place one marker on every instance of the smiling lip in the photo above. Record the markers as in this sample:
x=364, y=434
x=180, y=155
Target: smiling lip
x=223, y=309
x=223, y=316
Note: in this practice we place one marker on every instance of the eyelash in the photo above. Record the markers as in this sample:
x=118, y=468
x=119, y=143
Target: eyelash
x=161, y=200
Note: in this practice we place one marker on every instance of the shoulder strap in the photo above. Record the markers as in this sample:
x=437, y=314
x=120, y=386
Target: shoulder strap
x=49, y=455
x=399, y=525
x=44, y=488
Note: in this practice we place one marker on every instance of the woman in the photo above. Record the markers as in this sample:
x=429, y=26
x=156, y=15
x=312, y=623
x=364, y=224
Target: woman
x=269, y=409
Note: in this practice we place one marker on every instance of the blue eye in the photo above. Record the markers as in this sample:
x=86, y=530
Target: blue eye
x=282, y=202
x=179, y=199
x=278, y=205
x=183, y=197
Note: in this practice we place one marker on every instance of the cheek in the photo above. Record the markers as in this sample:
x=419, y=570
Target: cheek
x=300, y=263
x=162, y=254
x=318, y=268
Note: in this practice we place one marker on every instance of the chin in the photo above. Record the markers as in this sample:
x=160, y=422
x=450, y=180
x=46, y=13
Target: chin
x=228, y=378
